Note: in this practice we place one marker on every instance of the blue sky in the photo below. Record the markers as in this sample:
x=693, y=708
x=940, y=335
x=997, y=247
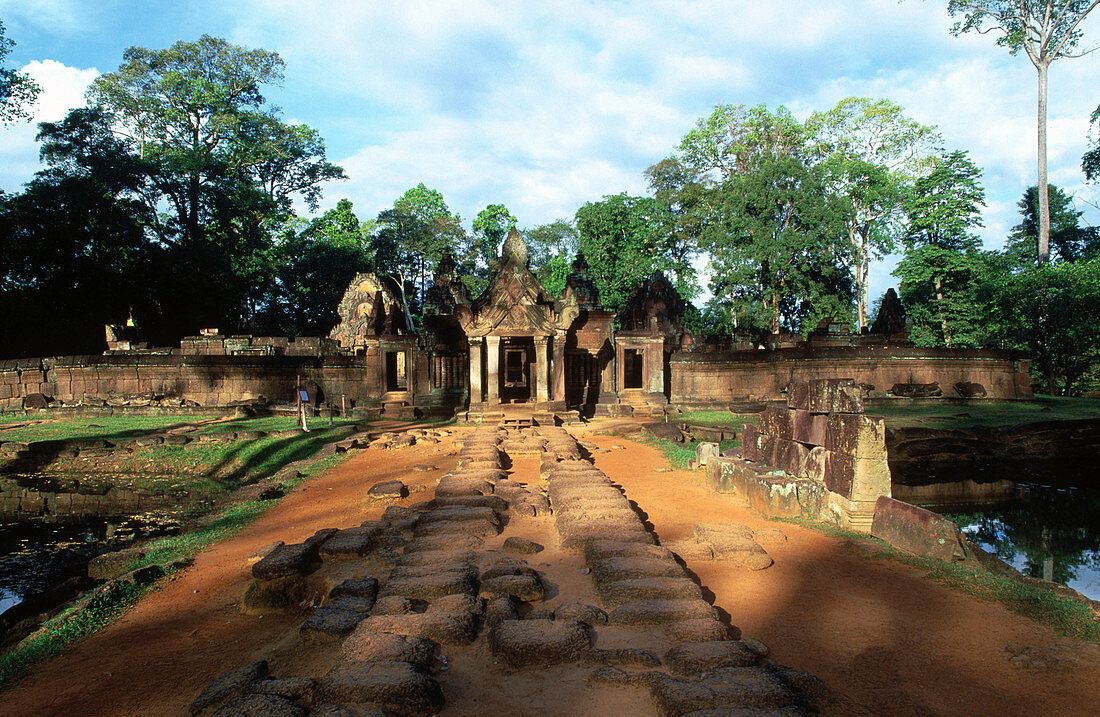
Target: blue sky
x=543, y=106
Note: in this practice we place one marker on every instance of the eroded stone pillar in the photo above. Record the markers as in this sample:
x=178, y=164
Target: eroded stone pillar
x=656, y=367
x=542, y=363
x=492, y=373
x=476, y=394
x=558, y=367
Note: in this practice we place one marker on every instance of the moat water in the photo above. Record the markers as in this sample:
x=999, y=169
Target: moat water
x=1046, y=532
x=36, y=555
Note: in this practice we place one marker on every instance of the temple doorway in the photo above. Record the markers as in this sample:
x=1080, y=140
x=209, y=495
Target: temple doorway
x=517, y=356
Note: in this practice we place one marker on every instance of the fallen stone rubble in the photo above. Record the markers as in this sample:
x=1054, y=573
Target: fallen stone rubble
x=443, y=589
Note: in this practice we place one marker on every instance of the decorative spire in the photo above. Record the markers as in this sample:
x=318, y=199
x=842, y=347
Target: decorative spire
x=514, y=248
x=580, y=264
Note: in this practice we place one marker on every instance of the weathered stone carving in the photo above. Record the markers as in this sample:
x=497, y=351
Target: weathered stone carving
x=654, y=306
x=371, y=307
x=891, y=317
x=515, y=303
x=580, y=290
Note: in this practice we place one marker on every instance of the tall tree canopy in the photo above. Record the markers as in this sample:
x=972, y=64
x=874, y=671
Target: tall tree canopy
x=1069, y=241
x=176, y=167
x=18, y=90
x=622, y=239
x=942, y=267
x=1046, y=30
x=872, y=152
x=749, y=187
x=490, y=227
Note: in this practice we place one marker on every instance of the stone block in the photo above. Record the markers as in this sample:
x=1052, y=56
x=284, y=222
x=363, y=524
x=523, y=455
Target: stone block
x=918, y=531
x=520, y=643
x=657, y=612
x=969, y=389
x=792, y=457
x=839, y=473
x=285, y=560
x=365, y=646
x=810, y=427
x=387, y=490
x=775, y=421
x=856, y=435
x=396, y=686
x=813, y=468
x=798, y=395
x=825, y=395
x=750, y=443
x=917, y=390
x=704, y=452
x=694, y=658
x=848, y=399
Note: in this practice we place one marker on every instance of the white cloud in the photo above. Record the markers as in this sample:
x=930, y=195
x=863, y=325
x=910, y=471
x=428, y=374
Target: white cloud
x=62, y=89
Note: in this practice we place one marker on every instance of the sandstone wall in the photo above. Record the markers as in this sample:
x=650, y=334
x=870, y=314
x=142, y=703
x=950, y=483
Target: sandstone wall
x=209, y=380
x=716, y=378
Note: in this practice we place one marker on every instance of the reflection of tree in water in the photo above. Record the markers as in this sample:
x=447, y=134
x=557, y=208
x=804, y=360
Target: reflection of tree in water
x=1054, y=529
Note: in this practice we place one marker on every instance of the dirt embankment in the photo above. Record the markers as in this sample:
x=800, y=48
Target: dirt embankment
x=885, y=639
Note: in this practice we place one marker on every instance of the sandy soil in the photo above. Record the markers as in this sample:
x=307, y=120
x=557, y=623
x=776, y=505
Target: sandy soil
x=885, y=639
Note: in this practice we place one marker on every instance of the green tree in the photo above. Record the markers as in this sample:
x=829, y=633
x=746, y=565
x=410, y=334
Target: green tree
x=490, y=226
x=18, y=90
x=551, y=248
x=316, y=263
x=773, y=230
x=1069, y=241
x=775, y=252
x=1046, y=30
x=871, y=152
x=412, y=237
x=74, y=250
x=942, y=267
x=686, y=212
x=195, y=112
x=1052, y=311
x=622, y=240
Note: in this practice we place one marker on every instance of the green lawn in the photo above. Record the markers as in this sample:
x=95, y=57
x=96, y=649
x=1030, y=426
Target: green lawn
x=980, y=413
x=40, y=428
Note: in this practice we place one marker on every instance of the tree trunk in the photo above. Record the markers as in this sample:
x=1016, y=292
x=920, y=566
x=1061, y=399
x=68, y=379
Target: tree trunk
x=943, y=315
x=1044, y=193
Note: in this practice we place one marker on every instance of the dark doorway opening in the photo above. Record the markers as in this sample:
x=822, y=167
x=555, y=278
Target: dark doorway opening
x=632, y=368
x=516, y=370
x=395, y=371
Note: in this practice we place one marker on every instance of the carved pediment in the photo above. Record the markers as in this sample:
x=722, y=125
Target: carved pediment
x=371, y=306
x=515, y=302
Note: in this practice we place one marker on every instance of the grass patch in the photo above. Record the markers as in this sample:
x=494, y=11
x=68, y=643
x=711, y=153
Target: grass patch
x=77, y=622
x=678, y=454
x=900, y=413
x=87, y=427
x=1038, y=602
x=716, y=418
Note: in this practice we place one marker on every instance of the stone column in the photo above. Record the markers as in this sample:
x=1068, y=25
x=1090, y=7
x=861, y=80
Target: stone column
x=542, y=361
x=492, y=363
x=655, y=354
x=609, y=379
x=557, y=392
x=476, y=395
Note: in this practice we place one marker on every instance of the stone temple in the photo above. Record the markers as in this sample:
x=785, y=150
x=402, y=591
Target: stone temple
x=515, y=345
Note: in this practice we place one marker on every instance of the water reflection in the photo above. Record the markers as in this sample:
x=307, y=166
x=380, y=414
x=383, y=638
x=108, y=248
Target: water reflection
x=37, y=555
x=1050, y=533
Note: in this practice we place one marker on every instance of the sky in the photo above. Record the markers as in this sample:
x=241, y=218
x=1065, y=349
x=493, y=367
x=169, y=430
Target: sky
x=543, y=106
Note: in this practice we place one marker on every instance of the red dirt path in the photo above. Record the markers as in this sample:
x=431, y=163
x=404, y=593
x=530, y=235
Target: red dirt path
x=885, y=639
